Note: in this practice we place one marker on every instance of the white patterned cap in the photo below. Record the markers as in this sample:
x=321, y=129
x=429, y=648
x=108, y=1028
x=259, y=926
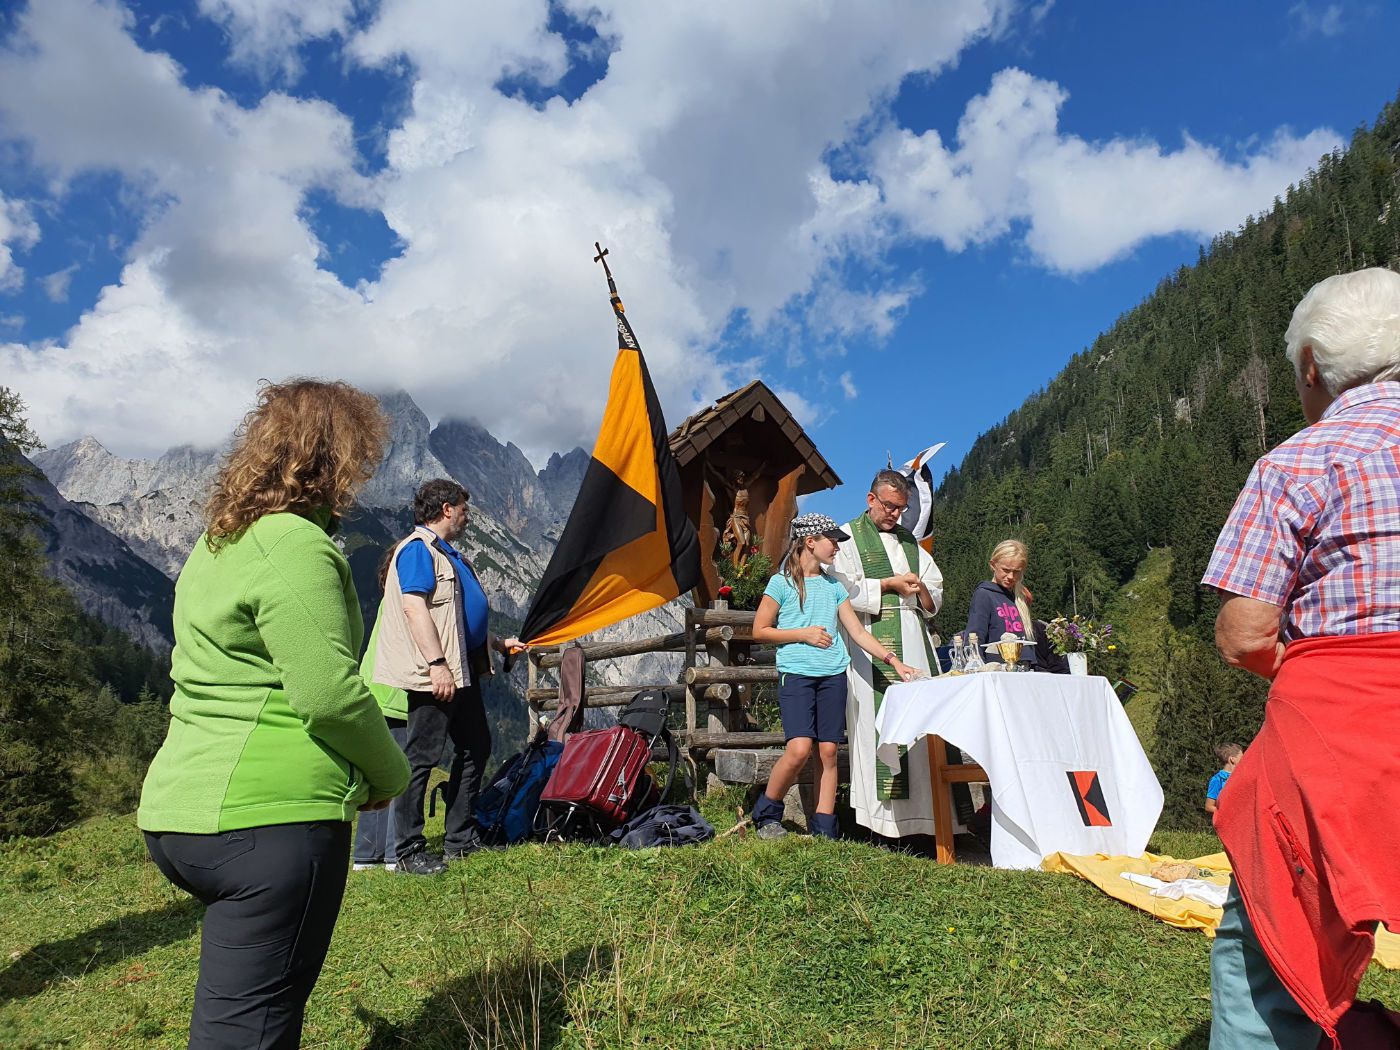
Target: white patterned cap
x=817, y=525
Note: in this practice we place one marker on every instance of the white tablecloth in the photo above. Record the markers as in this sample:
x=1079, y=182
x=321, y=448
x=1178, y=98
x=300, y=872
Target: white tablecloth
x=1066, y=768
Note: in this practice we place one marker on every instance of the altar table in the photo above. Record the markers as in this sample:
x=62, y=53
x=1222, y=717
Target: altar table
x=1066, y=769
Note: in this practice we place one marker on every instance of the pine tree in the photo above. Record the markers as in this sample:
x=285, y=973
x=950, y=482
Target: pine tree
x=35, y=670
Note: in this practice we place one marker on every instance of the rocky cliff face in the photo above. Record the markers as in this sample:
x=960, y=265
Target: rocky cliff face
x=499, y=477
x=408, y=461
x=109, y=580
x=156, y=506
x=561, y=479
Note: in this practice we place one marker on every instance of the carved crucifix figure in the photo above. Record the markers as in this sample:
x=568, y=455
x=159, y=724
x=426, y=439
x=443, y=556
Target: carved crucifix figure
x=738, y=530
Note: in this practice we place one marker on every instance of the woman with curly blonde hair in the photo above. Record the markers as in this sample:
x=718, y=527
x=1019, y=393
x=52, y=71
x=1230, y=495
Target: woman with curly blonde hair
x=274, y=740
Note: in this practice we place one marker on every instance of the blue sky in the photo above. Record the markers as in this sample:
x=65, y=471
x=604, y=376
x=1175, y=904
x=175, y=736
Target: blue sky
x=905, y=217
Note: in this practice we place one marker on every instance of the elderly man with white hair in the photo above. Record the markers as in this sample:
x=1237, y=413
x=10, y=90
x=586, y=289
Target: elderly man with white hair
x=1308, y=567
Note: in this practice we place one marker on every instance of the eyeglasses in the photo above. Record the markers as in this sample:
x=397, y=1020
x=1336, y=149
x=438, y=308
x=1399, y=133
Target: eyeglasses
x=892, y=508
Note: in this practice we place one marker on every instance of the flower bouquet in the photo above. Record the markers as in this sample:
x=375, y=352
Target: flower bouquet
x=1077, y=634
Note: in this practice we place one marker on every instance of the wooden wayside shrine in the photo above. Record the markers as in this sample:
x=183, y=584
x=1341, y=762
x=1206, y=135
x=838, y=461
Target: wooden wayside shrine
x=743, y=462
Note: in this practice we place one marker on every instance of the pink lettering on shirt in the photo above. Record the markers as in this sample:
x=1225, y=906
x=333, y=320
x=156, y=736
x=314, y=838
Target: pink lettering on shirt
x=1011, y=616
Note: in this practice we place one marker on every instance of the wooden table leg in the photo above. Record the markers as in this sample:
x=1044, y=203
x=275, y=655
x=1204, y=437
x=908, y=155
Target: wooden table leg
x=942, y=803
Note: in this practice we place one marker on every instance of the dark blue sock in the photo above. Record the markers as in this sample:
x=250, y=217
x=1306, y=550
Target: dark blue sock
x=766, y=811
x=824, y=825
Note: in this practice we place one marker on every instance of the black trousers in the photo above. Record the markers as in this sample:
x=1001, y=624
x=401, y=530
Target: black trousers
x=431, y=723
x=273, y=894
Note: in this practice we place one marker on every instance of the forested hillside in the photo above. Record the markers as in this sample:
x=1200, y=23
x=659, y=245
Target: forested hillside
x=82, y=706
x=1144, y=440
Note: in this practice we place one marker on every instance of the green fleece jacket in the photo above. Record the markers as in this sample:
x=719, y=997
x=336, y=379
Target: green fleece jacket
x=393, y=702
x=270, y=721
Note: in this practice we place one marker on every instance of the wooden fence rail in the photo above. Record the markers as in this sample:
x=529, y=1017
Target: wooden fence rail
x=721, y=671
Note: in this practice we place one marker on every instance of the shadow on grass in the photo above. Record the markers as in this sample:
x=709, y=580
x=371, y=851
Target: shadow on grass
x=1196, y=1039
x=101, y=946
x=523, y=1001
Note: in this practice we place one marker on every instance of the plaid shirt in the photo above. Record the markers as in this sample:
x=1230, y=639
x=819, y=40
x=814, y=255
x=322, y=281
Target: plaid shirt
x=1316, y=529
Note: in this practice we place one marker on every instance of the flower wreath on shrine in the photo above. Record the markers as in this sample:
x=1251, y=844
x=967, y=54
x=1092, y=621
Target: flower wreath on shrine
x=742, y=585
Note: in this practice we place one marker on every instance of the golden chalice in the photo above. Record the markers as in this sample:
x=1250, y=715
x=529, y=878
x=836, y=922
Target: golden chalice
x=1009, y=648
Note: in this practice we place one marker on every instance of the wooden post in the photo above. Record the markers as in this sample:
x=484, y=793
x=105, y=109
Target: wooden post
x=717, y=655
x=942, y=802
x=941, y=775
x=690, y=701
x=531, y=684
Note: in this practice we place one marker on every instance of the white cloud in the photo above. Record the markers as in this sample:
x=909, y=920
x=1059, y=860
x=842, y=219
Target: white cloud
x=265, y=34
x=17, y=230
x=1082, y=204
x=699, y=159
x=693, y=159
x=56, y=283
x=1310, y=22
x=848, y=386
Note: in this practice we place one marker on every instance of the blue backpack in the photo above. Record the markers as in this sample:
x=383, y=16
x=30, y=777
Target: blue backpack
x=505, y=811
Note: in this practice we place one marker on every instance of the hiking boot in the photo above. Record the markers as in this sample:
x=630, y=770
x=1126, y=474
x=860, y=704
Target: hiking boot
x=771, y=830
x=422, y=863
x=459, y=854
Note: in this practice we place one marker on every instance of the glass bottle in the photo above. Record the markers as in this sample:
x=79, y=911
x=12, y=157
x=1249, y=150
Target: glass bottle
x=974, y=654
x=957, y=658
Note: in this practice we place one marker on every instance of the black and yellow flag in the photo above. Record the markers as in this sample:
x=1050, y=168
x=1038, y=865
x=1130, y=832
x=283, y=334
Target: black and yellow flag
x=628, y=546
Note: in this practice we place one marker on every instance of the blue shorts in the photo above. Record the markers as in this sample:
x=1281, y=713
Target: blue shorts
x=813, y=707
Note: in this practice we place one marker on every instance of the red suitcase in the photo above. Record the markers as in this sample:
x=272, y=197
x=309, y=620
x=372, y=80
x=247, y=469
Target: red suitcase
x=600, y=780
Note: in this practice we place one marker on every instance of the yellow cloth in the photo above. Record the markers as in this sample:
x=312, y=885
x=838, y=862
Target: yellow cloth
x=1107, y=874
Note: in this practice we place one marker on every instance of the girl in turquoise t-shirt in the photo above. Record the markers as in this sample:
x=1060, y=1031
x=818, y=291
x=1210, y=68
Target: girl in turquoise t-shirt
x=800, y=611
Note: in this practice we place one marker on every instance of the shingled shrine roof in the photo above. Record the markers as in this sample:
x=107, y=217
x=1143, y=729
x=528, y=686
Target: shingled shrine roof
x=758, y=403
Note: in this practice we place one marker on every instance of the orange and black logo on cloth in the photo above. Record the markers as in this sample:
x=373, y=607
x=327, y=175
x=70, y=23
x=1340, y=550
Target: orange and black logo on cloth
x=1088, y=795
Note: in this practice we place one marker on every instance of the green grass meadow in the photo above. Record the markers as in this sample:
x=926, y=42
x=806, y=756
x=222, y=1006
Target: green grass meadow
x=736, y=943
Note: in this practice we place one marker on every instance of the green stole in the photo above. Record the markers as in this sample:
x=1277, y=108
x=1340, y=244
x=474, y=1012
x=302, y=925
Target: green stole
x=888, y=630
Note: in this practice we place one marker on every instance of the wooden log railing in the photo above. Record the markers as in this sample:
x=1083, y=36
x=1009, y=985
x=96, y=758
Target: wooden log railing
x=552, y=656
x=721, y=671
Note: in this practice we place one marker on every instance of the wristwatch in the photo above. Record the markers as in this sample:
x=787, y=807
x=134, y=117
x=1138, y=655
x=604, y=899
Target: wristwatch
x=890, y=658
x=441, y=661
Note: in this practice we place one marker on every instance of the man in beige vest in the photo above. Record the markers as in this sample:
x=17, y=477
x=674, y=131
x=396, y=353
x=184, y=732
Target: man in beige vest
x=433, y=643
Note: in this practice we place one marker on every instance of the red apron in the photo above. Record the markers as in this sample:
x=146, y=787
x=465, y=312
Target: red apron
x=1311, y=817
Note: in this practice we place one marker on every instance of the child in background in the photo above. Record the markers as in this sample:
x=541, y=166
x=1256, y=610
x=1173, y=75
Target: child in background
x=1229, y=755
x=800, y=611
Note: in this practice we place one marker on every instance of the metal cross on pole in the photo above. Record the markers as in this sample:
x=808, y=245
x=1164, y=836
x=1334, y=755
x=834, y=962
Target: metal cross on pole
x=612, y=287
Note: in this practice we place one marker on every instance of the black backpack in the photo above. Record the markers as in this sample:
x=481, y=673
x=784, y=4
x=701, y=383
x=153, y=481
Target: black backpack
x=646, y=715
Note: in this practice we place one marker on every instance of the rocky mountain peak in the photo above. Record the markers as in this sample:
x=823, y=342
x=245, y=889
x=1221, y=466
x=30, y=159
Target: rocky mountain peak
x=562, y=477
x=499, y=477
x=408, y=459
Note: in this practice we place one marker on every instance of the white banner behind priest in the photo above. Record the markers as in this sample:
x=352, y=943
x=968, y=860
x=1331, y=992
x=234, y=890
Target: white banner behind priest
x=1067, y=771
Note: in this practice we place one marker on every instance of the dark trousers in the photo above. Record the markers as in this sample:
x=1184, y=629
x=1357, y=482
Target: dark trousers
x=376, y=834
x=273, y=894
x=431, y=723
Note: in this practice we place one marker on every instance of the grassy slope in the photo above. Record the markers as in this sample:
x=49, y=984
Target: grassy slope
x=1139, y=614
x=737, y=943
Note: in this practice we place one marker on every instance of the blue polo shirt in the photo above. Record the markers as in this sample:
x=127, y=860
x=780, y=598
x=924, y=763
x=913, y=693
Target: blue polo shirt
x=416, y=576
x=1217, y=783
x=823, y=597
